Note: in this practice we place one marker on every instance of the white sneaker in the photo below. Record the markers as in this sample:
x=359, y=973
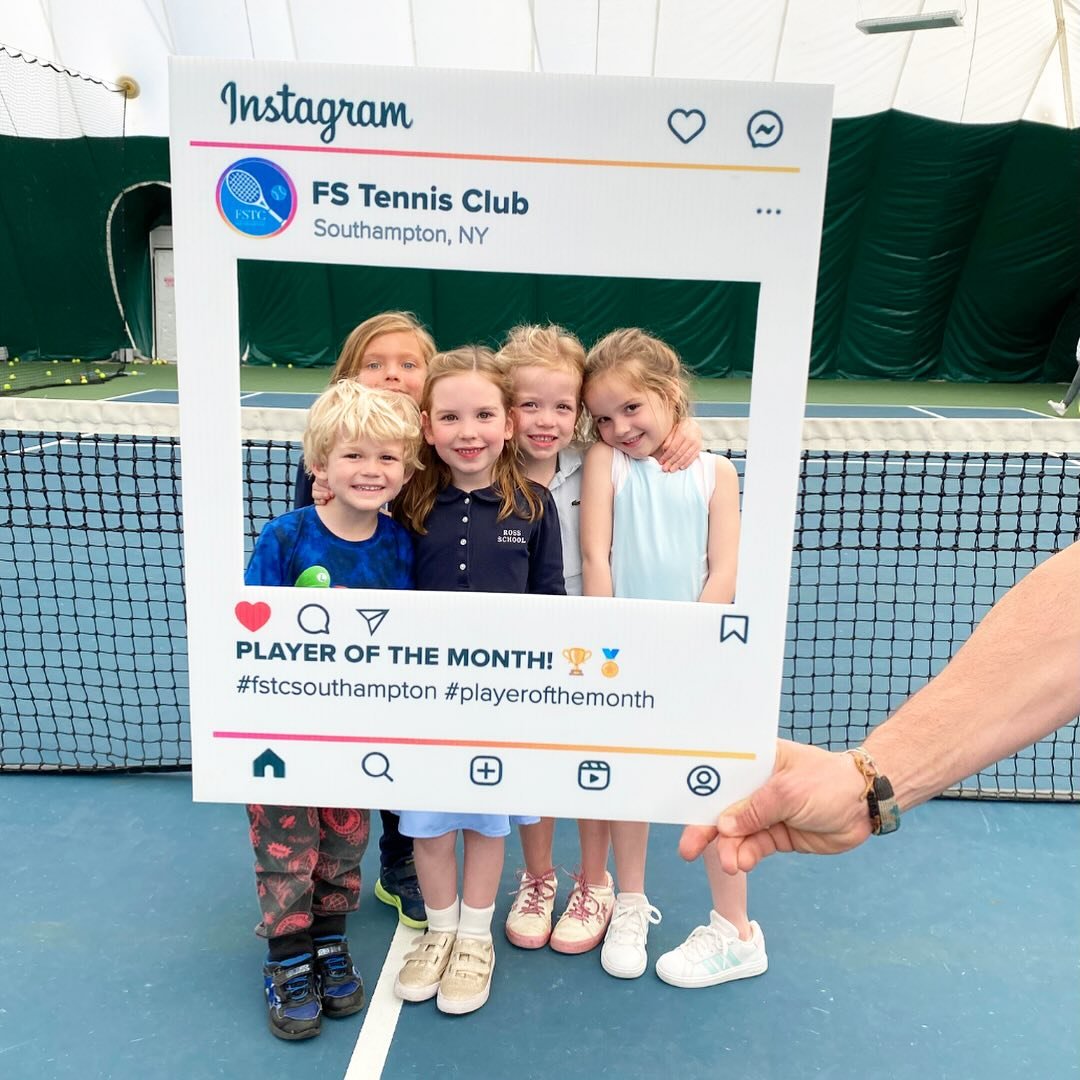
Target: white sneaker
x=624, y=954
x=1058, y=407
x=714, y=954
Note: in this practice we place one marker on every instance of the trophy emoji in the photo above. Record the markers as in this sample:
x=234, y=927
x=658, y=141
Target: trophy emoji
x=576, y=657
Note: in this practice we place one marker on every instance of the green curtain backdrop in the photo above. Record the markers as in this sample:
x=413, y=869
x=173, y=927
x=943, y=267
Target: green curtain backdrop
x=306, y=311
x=948, y=252
x=56, y=298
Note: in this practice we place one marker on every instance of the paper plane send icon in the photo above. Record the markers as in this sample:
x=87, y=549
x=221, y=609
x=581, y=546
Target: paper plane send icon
x=373, y=617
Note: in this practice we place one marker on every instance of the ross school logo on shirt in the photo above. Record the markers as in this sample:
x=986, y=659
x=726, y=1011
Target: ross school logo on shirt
x=511, y=536
x=256, y=197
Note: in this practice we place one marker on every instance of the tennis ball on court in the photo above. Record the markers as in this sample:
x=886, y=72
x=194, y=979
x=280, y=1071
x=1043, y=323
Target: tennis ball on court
x=101, y=374
x=290, y=365
x=67, y=382
x=314, y=577
x=273, y=363
x=48, y=372
x=76, y=360
x=7, y=386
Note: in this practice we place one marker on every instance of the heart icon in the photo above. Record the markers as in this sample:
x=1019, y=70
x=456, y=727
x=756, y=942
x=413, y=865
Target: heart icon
x=252, y=616
x=686, y=124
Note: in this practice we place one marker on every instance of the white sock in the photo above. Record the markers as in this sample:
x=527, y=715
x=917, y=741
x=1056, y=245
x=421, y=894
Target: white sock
x=727, y=928
x=632, y=899
x=718, y=921
x=444, y=920
x=476, y=922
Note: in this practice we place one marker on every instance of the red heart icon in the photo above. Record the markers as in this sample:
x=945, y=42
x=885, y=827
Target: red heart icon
x=252, y=615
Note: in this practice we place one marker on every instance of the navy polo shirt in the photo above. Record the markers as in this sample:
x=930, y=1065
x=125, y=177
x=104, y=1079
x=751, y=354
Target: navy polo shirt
x=466, y=549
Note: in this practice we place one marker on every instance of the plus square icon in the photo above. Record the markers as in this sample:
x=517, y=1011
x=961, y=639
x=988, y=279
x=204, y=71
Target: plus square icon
x=485, y=770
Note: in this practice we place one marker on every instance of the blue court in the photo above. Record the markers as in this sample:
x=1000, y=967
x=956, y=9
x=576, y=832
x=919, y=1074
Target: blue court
x=947, y=950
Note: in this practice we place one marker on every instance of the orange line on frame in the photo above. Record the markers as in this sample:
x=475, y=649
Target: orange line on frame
x=581, y=748
x=611, y=163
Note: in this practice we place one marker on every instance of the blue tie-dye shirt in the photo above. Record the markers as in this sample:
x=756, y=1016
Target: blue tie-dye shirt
x=298, y=541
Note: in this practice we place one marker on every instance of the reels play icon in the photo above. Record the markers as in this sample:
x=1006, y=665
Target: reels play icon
x=594, y=775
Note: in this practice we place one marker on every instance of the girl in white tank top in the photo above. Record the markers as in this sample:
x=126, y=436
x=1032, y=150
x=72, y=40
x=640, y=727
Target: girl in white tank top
x=662, y=536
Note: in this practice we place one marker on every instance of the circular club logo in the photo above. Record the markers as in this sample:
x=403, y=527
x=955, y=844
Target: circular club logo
x=256, y=197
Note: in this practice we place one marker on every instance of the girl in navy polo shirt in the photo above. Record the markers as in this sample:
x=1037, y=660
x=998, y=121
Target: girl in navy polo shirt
x=480, y=526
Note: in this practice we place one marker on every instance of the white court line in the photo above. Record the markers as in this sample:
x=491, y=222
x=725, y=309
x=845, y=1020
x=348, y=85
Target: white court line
x=928, y=412
x=133, y=394
x=380, y=1020
x=35, y=449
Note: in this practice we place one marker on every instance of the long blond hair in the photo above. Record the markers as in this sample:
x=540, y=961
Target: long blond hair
x=388, y=322
x=519, y=495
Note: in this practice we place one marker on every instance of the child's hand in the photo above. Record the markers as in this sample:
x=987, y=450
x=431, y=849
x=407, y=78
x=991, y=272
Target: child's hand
x=320, y=492
x=681, y=447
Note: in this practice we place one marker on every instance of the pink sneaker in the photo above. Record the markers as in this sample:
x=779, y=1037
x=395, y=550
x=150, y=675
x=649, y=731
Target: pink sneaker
x=528, y=926
x=585, y=921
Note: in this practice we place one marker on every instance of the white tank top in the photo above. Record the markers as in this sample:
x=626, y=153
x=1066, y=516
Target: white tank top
x=660, y=528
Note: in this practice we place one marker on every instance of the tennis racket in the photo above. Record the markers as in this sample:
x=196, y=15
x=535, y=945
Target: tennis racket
x=243, y=186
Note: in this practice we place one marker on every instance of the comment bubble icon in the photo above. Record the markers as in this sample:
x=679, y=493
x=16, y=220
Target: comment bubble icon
x=313, y=619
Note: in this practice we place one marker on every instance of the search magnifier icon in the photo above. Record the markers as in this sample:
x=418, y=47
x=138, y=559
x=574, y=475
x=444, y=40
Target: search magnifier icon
x=377, y=765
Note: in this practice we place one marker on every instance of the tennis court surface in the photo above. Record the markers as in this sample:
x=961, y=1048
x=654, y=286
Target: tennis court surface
x=947, y=950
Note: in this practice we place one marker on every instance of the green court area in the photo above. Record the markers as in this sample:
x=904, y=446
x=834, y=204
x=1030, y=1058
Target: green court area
x=836, y=391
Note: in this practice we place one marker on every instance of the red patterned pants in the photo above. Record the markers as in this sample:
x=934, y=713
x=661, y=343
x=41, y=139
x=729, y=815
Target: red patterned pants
x=307, y=862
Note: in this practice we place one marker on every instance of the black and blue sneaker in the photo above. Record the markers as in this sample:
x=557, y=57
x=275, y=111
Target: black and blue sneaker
x=292, y=997
x=398, y=887
x=339, y=981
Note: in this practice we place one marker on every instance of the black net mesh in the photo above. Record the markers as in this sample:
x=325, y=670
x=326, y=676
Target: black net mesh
x=898, y=554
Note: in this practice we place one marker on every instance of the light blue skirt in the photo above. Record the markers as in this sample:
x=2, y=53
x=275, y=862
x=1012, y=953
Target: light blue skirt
x=424, y=824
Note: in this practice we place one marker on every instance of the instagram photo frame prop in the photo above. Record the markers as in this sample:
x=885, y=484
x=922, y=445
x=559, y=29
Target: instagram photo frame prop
x=563, y=706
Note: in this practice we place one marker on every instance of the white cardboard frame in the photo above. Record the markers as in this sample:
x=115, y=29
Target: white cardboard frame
x=622, y=177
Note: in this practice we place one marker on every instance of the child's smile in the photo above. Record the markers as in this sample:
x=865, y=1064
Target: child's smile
x=362, y=475
x=633, y=420
x=545, y=410
x=468, y=427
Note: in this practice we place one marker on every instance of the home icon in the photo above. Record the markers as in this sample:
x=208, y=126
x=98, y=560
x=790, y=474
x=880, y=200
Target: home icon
x=269, y=760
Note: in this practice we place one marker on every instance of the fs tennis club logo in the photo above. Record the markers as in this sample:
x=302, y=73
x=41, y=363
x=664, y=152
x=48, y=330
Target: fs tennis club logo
x=256, y=198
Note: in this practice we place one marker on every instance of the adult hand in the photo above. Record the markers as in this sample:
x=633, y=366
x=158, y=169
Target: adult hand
x=320, y=492
x=812, y=803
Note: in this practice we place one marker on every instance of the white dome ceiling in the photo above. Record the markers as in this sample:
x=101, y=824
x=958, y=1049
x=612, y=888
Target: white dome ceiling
x=1010, y=59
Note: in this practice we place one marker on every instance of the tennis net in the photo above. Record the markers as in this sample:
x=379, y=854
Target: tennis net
x=907, y=532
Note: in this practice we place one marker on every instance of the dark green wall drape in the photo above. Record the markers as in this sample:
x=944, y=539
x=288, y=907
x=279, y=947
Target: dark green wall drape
x=948, y=252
